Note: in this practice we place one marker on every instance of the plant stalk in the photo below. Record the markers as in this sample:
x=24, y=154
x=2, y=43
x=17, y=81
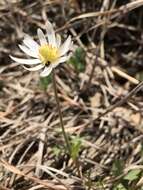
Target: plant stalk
x=62, y=125
x=60, y=113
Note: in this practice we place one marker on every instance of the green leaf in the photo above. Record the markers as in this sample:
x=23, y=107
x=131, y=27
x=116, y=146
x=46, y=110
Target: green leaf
x=118, y=167
x=75, y=147
x=78, y=60
x=56, y=151
x=133, y=175
x=44, y=82
x=119, y=187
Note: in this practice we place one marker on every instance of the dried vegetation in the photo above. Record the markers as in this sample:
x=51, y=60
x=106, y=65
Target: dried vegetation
x=98, y=108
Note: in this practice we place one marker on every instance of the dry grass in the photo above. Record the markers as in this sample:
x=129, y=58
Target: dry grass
x=98, y=105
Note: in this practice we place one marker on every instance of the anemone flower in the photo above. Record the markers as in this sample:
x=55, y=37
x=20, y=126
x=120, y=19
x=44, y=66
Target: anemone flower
x=47, y=54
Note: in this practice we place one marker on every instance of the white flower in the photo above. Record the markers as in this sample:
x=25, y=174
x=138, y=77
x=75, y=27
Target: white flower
x=46, y=55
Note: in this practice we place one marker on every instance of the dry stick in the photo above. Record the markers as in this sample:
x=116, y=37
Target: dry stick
x=114, y=12
x=38, y=171
x=42, y=136
x=93, y=69
x=95, y=63
x=60, y=113
x=97, y=51
x=15, y=170
x=123, y=100
x=3, y=188
x=124, y=75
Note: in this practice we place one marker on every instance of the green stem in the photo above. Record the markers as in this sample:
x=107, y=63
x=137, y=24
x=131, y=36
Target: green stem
x=62, y=125
x=60, y=113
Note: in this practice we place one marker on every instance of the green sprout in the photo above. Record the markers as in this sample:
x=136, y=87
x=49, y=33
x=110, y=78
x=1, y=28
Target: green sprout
x=78, y=60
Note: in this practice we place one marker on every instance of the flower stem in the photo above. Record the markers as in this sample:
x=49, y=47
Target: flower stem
x=60, y=114
x=62, y=125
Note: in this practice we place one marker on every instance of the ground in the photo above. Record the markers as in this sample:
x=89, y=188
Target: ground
x=100, y=92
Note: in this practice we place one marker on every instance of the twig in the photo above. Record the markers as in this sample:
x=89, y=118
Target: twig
x=38, y=171
x=93, y=69
x=123, y=100
x=3, y=188
x=15, y=170
x=124, y=75
x=114, y=12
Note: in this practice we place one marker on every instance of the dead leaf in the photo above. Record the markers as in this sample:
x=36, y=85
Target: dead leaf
x=96, y=100
x=136, y=118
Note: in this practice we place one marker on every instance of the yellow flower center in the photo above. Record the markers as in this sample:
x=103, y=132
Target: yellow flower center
x=48, y=54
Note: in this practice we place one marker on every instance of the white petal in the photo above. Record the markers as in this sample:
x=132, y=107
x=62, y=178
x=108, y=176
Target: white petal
x=46, y=71
x=26, y=61
x=30, y=43
x=28, y=51
x=41, y=37
x=58, y=39
x=60, y=60
x=65, y=47
x=51, y=34
x=36, y=68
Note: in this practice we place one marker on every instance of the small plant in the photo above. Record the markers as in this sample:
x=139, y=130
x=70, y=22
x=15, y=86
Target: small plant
x=132, y=175
x=46, y=56
x=56, y=151
x=44, y=82
x=118, y=167
x=78, y=60
x=128, y=181
x=119, y=187
x=76, y=144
